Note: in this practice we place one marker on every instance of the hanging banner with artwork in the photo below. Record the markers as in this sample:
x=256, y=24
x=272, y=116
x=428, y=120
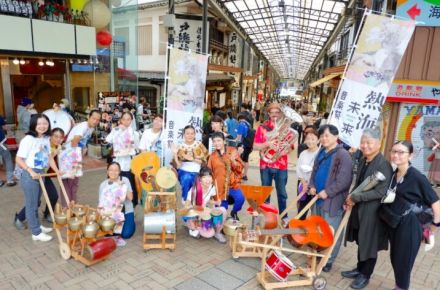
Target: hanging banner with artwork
x=189, y=32
x=368, y=76
x=421, y=126
x=425, y=12
x=185, y=96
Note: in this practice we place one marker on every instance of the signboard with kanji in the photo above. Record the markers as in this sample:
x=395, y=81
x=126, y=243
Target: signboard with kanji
x=425, y=12
x=188, y=34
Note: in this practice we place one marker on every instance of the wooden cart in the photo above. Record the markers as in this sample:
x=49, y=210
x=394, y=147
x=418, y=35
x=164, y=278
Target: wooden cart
x=75, y=241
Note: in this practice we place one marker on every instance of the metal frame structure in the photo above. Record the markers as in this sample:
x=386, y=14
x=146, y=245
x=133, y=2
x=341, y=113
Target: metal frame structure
x=289, y=33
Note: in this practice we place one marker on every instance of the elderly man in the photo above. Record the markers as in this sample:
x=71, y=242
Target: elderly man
x=364, y=226
x=331, y=179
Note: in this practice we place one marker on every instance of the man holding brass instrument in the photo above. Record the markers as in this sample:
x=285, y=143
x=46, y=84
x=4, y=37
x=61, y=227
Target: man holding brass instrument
x=364, y=226
x=275, y=140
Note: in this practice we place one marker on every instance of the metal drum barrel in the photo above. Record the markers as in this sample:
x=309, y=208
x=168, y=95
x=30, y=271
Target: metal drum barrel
x=154, y=221
x=99, y=249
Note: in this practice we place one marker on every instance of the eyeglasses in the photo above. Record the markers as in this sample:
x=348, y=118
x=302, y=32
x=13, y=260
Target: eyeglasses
x=400, y=153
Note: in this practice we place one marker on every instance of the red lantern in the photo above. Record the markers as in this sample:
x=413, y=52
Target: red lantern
x=104, y=38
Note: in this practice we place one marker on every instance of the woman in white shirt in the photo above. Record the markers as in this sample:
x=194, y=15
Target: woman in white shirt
x=125, y=141
x=34, y=158
x=115, y=193
x=304, y=168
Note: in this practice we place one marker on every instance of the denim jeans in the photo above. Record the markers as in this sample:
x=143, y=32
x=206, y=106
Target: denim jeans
x=280, y=177
x=238, y=198
x=334, y=222
x=32, y=192
x=53, y=198
x=186, y=180
x=7, y=161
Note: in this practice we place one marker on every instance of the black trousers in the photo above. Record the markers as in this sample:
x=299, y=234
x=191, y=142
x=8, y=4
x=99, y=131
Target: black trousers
x=405, y=242
x=366, y=267
x=130, y=177
x=52, y=192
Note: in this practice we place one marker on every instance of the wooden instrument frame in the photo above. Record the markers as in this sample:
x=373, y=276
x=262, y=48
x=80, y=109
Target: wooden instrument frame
x=163, y=240
x=75, y=240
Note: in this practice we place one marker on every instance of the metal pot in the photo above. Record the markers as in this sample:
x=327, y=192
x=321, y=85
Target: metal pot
x=230, y=227
x=60, y=218
x=90, y=229
x=78, y=211
x=74, y=224
x=91, y=217
x=107, y=224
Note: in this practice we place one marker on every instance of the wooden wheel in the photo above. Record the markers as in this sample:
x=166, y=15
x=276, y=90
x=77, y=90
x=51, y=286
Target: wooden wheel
x=65, y=251
x=319, y=283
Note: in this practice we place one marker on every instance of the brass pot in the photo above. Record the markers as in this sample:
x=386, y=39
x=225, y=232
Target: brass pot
x=231, y=226
x=78, y=211
x=91, y=217
x=74, y=224
x=107, y=224
x=60, y=218
x=90, y=229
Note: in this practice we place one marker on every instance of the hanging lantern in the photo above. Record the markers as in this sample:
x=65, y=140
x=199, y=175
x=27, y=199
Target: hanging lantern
x=104, y=38
x=97, y=13
x=77, y=4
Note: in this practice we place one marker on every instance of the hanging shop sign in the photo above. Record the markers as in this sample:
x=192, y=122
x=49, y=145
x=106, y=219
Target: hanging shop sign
x=420, y=125
x=188, y=30
x=425, y=92
x=235, y=45
x=369, y=75
x=185, y=96
x=425, y=12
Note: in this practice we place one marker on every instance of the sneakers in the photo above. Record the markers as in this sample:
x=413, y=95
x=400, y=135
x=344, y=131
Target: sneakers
x=234, y=215
x=120, y=242
x=19, y=224
x=220, y=238
x=285, y=222
x=11, y=183
x=194, y=233
x=245, y=178
x=2, y=183
x=46, y=230
x=42, y=237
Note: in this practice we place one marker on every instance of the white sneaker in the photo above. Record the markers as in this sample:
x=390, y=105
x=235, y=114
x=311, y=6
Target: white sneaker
x=46, y=230
x=42, y=237
x=120, y=242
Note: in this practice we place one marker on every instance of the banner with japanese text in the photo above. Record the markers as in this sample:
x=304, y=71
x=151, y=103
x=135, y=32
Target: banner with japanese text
x=369, y=76
x=189, y=33
x=185, y=97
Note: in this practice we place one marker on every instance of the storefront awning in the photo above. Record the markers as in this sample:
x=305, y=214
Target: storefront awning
x=324, y=79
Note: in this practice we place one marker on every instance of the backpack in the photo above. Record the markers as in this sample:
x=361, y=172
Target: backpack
x=248, y=141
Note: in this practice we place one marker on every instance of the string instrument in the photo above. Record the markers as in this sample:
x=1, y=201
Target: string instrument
x=314, y=231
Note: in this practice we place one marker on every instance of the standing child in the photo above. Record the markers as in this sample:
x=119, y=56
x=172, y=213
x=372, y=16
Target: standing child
x=115, y=193
x=34, y=158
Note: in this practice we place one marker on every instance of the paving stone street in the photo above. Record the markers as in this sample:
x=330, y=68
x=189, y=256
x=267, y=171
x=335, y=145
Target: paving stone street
x=195, y=264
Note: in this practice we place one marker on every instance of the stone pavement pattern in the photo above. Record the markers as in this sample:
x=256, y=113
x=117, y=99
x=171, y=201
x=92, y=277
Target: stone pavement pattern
x=195, y=264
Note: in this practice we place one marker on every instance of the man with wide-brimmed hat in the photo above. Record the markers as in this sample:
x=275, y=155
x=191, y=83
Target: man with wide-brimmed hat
x=276, y=170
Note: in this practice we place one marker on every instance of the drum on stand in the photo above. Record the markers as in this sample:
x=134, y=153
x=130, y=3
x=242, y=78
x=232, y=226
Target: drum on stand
x=279, y=266
x=59, y=119
x=154, y=222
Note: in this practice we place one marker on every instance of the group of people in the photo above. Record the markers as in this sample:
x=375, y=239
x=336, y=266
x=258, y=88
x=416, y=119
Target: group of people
x=329, y=171
x=210, y=173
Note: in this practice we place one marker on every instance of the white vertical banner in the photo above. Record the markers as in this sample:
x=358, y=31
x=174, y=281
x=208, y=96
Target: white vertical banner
x=369, y=75
x=185, y=96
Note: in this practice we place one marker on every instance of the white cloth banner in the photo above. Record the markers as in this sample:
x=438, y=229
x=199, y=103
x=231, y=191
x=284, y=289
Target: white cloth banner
x=185, y=97
x=369, y=75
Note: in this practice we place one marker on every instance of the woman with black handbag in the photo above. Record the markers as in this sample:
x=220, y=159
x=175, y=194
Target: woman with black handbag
x=412, y=190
